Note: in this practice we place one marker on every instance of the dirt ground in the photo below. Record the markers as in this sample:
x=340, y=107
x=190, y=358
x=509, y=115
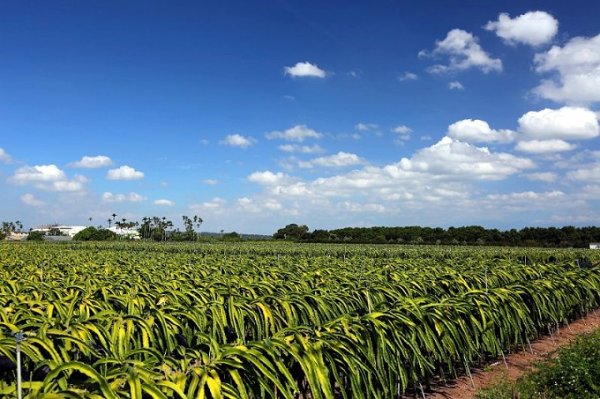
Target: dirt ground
x=518, y=363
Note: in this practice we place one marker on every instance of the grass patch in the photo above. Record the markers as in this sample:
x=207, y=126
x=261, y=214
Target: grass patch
x=573, y=374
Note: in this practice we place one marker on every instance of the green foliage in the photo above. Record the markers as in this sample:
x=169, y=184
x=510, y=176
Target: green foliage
x=35, y=236
x=573, y=374
x=291, y=232
x=273, y=320
x=93, y=234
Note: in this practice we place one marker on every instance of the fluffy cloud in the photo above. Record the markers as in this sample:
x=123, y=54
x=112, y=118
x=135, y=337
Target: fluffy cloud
x=402, y=129
x=533, y=28
x=124, y=173
x=297, y=133
x=267, y=177
x=214, y=206
x=453, y=157
x=526, y=196
x=456, y=85
x=464, y=52
x=237, y=140
x=4, y=156
x=408, y=76
x=478, y=131
x=302, y=149
x=98, y=161
x=164, y=202
x=364, y=127
x=115, y=198
x=49, y=178
x=577, y=65
x=210, y=182
x=544, y=146
x=589, y=173
x=29, y=199
x=546, y=177
x=566, y=123
x=339, y=160
x=304, y=69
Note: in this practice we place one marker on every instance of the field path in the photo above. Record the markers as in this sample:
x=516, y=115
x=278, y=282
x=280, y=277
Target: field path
x=518, y=363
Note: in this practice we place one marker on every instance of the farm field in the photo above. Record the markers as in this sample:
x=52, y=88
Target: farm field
x=274, y=320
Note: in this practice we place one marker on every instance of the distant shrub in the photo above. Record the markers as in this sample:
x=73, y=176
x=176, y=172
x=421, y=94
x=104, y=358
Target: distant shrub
x=35, y=236
x=93, y=234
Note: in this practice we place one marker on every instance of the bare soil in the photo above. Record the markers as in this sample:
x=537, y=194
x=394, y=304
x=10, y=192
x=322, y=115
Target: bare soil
x=518, y=363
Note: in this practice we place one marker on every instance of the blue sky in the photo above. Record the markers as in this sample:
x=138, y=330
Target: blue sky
x=254, y=115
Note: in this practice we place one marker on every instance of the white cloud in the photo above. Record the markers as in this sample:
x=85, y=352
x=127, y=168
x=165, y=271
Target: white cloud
x=237, y=140
x=116, y=198
x=297, y=133
x=408, y=76
x=304, y=69
x=544, y=146
x=164, y=202
x=4, y=156
x=365, y=127
x=267, y=177
x=453, y=157
x=29, y=199
x=210, y=182
x=589, y=173
x=533, y=28
x=526, y=196
x=38, y=173
x=566, y=123
x=49, y=178
x=456, y=85
x=478, y=131
x=98, y=161
x=577, y=65
x=547, y=177
x=302, y=149
x=339, y=160
x=402, y=129
x=215, y=206
x=124, y=173
x=463, y=51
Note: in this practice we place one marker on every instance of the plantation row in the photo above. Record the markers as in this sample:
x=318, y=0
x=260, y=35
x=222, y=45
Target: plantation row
x=274, y=320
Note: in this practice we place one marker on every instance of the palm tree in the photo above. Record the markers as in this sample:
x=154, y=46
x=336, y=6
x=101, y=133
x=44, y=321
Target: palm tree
x=90, y=219
x=109, y=222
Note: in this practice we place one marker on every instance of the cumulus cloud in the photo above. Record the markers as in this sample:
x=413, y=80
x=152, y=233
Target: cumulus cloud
x=546, y=177
x=98, y=161
x=402, y=129
x=456, y=85
x=478, y=131
x=365, y=127
x=526, y=196
x=408, y=76
x=237, y=140
x=297, y=133
x=210, y=182
x=533, y=28
x=164, y=202
x=589, y=173
x=463, y=52
x=124, y=172
x=544, y=146
x=267, y=177
x=49, y=178
x=215, y=206
x=339, y=160
x=4, y=156
x=304, y=69
x=116, y=198
x=302, y=149
x=576, y=66
x=566, y=123
x=29, y=199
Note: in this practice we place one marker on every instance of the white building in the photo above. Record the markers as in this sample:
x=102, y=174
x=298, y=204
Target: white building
x=594, y=245
x=66, y=230
x=132, y=234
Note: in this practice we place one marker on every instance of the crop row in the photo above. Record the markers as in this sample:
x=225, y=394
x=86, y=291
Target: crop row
x=280, y=321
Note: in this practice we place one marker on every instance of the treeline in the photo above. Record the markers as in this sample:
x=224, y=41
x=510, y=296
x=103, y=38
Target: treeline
x=568, y=236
